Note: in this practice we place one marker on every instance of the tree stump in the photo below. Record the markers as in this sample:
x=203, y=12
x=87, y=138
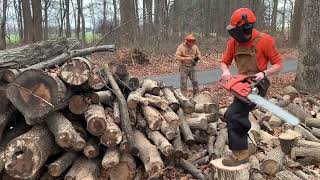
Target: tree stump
x=230, y=173
x=60, y=165
x=274, y=162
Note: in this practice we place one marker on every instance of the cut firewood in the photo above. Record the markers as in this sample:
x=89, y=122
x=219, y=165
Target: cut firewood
x=206, y=103
x=254, y=175
x=133, y=116
x=124, y=145
x=62, y=129
x=4, y=120
x=171, y=117
x=157, y=101
x=240, y=172
x=186, y=104
x=201, y=161
x=79, y=144
x=116, y=112
x=268, y=139
x=78, y=104
x=197, y=155
x=161, y=142
x=172, y=100
x=198, y=123
x=193, y=170
x=60, y=165
x=306, y=156
x=141, y=122
x=306, y=133
x=307, y=144
x=212, y=128
x=26, y=154
x=149, y=155
x=179, y=150
x=265, y=126
x=112, y=135
x=316, y=132
x=286, y=175
x=2, y=160
x=184, y=128
x=96, y=119
x=92, y=149
x=220, y=143
x=150, y=86
x=287, y=140
x=135, y=98
x=75, y=71
x=302, y=175
x=153, y=117
x=255, y=165
x=125, y=170
x=111, y=158
x=298, y=112
x=83, y=168
x=291, y=91
x=255, y=128
x=96, y=80
x=287, y=126
x=105, y=97
x=274, y=122
x=313, y=122
x=274, y=162
x=167, y=130
x=252, y=144
x=35, y=89
x=210, y=146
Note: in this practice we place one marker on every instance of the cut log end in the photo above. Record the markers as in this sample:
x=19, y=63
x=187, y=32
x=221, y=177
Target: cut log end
x=10, y=75
x=78, y=104
x=96, y=81
x=230, y=173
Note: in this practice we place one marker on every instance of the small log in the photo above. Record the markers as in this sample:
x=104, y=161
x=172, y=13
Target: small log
x=112, y=135
x=306, y=156
x=193, y=170
x=167, y=130
x=286, y=175
x=313, y=122
x=302, y=175
x=141, y=122
x=105, y=97
x=96, y=80
x=60, y=165
x=157, y=101
x=274, y=122
x=291, y=91
x=316, y=132
x=125, y=170
x=230, y=173
x=256, y=176
x=307, y=144
x=78, y=104
x=111, y=158
x=298, y=112
x=96, y=119
x=255, y=128
x=172, y=100
x=153, y=117
x=138, y=173
x=265, y=126
x=185, y=103
x=205, y=103
x=26, y=154
x=133, y=116
x=116, y=112
x=150, y=86
x=149, y=155
x=274, y=162
x=2, y=160
x=184, y=128
x=178, y=146
x=124, y=145
x=212, y=129
x=79, y=144
x=306, y=133
x=220, y=143
x=254, y=161
x=34, y=89
x=62, y=129
x=161, y=142
x=92, y=149
x=135, y=98
x=171, y=117
x=252, y=144
x=268, y=139
x=197, y=155
x=210, y=146
x=201, y=161
x=83, y=168
x=9, y=75
x=287, y=140
x=198, y=123
x=75, y=71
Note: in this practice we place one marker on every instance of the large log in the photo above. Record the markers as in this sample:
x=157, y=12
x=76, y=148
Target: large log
x=92, y=149
x=125, y=170
x=172, y=100
x=78, y=104
x=316, y=132
x=27, y=153
x=286, y=175
x=35, y=94
x=96, y=119
x=83, y=168
x=149, y=155
x=306, y=133
x=60, y=165
x=62, y=129
x=111, y=158
x=220, y=143
x=205, y=103
x=240, y=172
x=274, y=162
x=112, y=135
x=125, y=120
x=150, y=86
x=307, y=144
x=313, y=122
x=192, y=169
x=186, y=104
x=161, y=142
x=153, y=117
x=305, y=155
x=298, y=112
x=75, y=71
x=184, y=127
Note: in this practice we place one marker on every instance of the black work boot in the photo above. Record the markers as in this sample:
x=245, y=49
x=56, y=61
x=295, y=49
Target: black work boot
x=236, y=158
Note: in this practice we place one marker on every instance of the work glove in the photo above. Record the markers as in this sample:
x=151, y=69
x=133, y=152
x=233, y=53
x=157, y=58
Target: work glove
x=195, y=61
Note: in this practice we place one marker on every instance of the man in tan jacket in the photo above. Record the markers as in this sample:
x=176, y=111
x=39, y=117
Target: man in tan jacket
x=188, y=55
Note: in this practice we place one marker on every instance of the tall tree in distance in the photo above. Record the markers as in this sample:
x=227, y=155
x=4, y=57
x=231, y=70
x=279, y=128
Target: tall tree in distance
x=115, y=13
x=37, y=20
x=83, y=24
x=274, y=16
x=27, y=22
x=68, y=28
x=3, y=25
x=46, y=26
x=308, y=73
x=18, y=12
x=128, y=19
x=296, y=22
x=78, y=19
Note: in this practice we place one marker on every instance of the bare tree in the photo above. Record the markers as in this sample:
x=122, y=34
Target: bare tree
x=37, y=20
x=115, y=12
x=127, y=13
x=27, y=22
x=18, y=12
x=274, y=16
x=68, y=28
x=47, y=4
x=296, y=22
x=308, y=73
x=83, y=25
x=283, y=16
x=3, y=25
x=78, y=19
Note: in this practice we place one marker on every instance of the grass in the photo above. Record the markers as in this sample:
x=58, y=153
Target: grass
x=13, y=39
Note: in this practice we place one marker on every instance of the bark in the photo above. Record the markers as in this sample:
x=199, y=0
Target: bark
x=68, y=27
x=171, y=117
x=179, y=150
x=141, y=122
x=220, y=143
x=34, y=89
x=27, y=23
x=80, y=143
x=193, y=170
x=205, y=103
x=37, y=20
x=298, y=112
x=112, y=135
x=274, y=16
x=157, y=102
x=83, y=168
x=286, y=175
x=124, y=145
x=197, y=155
x=62, y=129
x=161, y=142
x=184, y=128
x=186, y=104
x=307, y=71
x=92, y=149
x=26, y=154
x=167, y=130
x=210, y=146
x=307, y=144
x=273, y=162
x=135, y=98
x=126, y=168
x=3, y=25
x=302, y=175
x=288, y=140
x=306, y=133
x=316, y=132
x=306, y=156
x=153, y=117
x=60, y=165
x=172, y=101
x=296, y=23
x=229, y=173
x=111, y=158
x=313, y=122
x=96, y=119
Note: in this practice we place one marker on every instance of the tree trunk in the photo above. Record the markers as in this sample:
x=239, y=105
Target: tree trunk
x=37, y=20
x=287, y=141
x=78, y=19
x=83, y=168
x=296, y=22
x=274, y=16
x=27, y=22
x=283, y=16
x=115, y=13
x=308, y=66
x=83, y=24
x=68, y=28
x=60, y=165
x=46, y=26
x=3, y=25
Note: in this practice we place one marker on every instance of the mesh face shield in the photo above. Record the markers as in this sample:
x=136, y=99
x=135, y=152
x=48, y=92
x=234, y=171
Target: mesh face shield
x=242, y=33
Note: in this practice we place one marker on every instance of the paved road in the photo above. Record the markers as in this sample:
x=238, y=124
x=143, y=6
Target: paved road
x=211, y=76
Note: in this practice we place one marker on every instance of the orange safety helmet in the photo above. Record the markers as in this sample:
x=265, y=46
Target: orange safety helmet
x=237, y=18
x=190, y=38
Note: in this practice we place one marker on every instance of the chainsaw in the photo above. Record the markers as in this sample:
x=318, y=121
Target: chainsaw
x=246, y=89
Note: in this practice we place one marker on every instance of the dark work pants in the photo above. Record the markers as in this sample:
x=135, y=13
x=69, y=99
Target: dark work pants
x=237, y=117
